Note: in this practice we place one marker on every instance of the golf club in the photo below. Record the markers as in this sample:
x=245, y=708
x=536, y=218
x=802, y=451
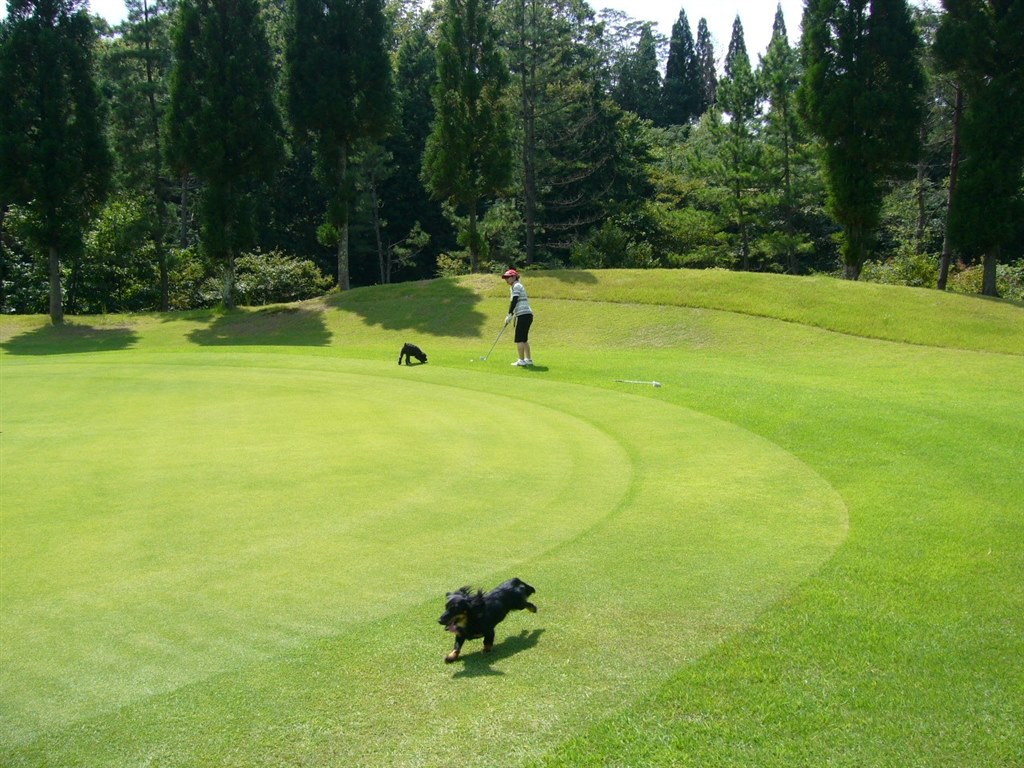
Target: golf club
x=484, y=358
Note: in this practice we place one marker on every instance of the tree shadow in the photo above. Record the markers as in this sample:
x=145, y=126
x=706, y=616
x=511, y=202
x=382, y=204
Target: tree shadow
x=271, y=326
x=400, y=307
x=70, y=338
x=569, y=276
x=480, y=664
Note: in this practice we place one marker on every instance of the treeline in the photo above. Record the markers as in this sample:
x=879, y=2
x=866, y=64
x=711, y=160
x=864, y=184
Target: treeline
x=217, y=151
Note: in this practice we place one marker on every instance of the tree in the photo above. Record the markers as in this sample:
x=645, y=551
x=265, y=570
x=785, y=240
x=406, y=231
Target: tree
x=468, y=155
x=340, y=91
x=981, y=41
x=639, y=82
x=737, y=97
x=704, y=50
x=779, y=76
x=861, y=96
x=136, y=64
x=223, y=124
x=54, y=158
x=682, y=89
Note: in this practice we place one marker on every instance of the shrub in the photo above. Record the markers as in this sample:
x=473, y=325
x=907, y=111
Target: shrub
x=273, y=278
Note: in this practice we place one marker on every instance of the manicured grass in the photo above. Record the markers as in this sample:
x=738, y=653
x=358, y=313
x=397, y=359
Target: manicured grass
x=226, y=538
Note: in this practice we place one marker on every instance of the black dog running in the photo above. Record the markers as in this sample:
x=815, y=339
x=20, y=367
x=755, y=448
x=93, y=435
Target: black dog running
x=471, y=616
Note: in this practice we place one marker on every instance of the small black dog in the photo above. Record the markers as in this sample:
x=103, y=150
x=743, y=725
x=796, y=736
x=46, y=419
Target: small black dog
x=471, y=616
x=411, y=350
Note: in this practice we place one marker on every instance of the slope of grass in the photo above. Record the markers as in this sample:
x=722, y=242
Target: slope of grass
x=804, y=549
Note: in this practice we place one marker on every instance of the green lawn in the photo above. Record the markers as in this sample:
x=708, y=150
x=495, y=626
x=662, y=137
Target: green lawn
x=226, y=538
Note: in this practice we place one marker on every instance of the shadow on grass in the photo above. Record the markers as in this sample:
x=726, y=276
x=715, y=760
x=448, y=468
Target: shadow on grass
x=435, y=307
x=274, y=326
x=569, y=276
x=479, y=664
x=70, y=338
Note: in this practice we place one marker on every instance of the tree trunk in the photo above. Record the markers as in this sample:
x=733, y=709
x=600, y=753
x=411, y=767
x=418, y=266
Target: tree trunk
x=56, y=298
x=344, y=280
x=988, y=280
x=474, y=244
x=954, y=167
x=528, y=87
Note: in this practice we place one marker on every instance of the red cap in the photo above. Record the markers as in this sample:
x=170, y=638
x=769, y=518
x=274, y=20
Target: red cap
x=511, y=273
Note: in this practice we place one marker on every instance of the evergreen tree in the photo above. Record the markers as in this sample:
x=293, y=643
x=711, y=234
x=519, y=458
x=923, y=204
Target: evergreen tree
x=704, y=50
x=682, y=90
x=737, y=97
x=54, y=158
x=982, y=41
x=222, y=121
x=786, y=153
x=861, y=97
x=339, y=91
x=468, y=155
x=639, y=82
x=136, y=64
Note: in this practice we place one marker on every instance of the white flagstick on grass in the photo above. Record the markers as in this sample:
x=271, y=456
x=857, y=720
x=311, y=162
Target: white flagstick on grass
x=633, y=381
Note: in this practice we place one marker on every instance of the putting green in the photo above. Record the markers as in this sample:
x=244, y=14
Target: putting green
x=227, y=558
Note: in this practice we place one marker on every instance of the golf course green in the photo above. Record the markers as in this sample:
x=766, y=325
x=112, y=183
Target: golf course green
x=227, y=537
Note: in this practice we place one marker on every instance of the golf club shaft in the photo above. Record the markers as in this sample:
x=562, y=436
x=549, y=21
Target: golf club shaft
x=495, y=341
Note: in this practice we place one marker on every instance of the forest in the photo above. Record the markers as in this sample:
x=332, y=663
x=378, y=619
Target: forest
x=223, y=152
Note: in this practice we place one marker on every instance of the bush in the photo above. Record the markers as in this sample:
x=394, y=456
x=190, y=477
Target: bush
x=274, y=278
x=919, y=270
x=1009, y=280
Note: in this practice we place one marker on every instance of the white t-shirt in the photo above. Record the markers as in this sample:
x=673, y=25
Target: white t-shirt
x=522, y=306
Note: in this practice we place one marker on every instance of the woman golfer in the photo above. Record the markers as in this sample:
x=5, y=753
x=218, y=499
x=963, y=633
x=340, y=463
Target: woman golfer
x=519, y=308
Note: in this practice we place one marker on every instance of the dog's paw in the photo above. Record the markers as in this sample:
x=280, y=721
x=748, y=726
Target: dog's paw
x=531, y=607
x=453, y=656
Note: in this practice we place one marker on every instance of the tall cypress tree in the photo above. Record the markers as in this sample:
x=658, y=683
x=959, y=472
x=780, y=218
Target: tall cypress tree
x=780, y=77
x=981, y=41
x=223, y=125
x=639, y=82
x=54, y=158
x=704, y=50
x=340, y=90
x=681, y=91
x=861, y=96
x=737, y=97
x=469, y=151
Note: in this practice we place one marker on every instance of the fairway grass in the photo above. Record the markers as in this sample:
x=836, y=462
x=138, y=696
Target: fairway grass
x=226, y=537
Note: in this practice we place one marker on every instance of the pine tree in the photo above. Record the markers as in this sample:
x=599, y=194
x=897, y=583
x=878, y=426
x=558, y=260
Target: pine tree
x=222, y=121
x=340, y=91
x=737, y=97
x=681, y=91
x=468, y=155
x=136, y=64
x=861, y=96
x=639, y=82
x=779, y=74
x=54, y=158
x=704, y=50
x=981, y=41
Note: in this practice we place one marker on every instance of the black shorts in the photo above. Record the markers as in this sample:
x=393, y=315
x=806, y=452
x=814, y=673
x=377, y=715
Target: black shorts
x=523, y=323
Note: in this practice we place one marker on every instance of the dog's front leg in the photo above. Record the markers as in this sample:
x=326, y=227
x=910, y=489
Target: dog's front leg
x=455, y=651
x=489, y=642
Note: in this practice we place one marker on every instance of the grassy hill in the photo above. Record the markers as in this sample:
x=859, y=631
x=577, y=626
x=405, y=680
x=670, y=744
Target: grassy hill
x=227, y=536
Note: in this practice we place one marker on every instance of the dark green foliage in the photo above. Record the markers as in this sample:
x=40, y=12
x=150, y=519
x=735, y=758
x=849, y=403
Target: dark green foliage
x=468, y=155
x=54, y=158
x=861, y=96
x=638, y=85
x=223, y=124
x=982, y=41
x=340, y=91
x=682, y=91
x=273, y=278
x=704, y=50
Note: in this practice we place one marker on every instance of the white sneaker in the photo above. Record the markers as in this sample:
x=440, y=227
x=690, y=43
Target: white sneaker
x=519, y=362
x=527, y=361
